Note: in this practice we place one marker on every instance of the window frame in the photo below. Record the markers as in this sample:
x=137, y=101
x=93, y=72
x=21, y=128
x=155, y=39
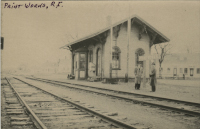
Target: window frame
x=198, y=70
x=118, y=51
x=90, y=56
x=185, y=69
x=191, y=71
x=80, y=62
x=139, y=52
x=175, y=71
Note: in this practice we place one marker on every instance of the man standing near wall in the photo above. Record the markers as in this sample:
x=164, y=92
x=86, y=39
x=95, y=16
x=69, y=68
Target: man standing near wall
x=153, y=80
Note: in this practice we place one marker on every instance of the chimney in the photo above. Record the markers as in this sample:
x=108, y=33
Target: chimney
x=109, y=20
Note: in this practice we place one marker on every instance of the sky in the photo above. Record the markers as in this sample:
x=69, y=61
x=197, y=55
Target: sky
x=33, y=36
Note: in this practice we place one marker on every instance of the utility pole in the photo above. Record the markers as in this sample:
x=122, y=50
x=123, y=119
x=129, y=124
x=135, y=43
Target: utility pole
x=128, y=39
x=109, y=20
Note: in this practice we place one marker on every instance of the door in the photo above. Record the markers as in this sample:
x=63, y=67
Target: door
x=82, y=65
x=98, y=62
x=175, y=71
x=191, y=71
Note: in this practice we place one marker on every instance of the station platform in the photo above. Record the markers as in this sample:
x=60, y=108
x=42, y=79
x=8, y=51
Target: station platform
x=186, y=90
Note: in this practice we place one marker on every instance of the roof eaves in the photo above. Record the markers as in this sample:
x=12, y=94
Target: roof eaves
x=115, y=24
x=86, y=37
x=154, y=29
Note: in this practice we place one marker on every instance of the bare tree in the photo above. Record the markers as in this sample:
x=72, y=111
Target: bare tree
x=164, y=49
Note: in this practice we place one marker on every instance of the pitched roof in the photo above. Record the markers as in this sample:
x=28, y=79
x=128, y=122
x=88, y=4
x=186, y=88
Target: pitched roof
x=137, y=18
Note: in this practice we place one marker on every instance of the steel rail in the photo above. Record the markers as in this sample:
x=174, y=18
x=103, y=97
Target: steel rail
x=138, y=101
x=124, y=92
x=103, y=117
x=33, y=116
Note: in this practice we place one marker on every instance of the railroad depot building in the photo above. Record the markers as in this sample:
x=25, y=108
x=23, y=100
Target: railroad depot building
x=131, y=38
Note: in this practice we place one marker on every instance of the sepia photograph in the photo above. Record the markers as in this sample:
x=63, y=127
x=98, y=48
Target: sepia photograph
x=100, y=64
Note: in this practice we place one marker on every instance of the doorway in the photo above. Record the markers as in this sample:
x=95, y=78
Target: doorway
x=82, y=65
x=191, y=71
x=175, y=71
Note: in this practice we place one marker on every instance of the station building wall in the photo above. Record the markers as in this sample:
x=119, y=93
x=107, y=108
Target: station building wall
x=135, y=44
x=121, y=41
x=94, y=49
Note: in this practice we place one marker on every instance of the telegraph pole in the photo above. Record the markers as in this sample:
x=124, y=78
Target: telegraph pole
x=109, y=20
x=128, y=39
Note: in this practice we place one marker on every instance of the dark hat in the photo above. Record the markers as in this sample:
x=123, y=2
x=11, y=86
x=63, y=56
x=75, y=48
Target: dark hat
x=153, y=63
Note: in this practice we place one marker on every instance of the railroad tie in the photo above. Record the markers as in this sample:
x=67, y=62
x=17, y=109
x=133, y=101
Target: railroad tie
x=19, y=119
x=14, y=113
x=13, y=107
x=20, y=123
x=12, y=102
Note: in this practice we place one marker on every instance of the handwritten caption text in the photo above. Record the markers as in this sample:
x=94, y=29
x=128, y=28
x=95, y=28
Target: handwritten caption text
x=31, y=5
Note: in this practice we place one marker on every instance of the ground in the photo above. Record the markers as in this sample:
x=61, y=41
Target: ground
x=134, y=114
x=188, y=90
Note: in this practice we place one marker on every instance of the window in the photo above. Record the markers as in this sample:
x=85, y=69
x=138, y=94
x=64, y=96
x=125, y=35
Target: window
x=82, y=61
x=116, y=58
x=90, y=56
x=198, y=70
x=185, y=70
x=175, y=71
x=191, y=71
x=181, y=70
x=139, y=52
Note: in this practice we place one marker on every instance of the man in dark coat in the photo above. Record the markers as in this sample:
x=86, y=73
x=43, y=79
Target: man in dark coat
x=153, y=80
x=138, y=74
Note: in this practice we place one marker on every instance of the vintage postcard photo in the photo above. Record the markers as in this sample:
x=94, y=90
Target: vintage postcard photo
x=100, y=64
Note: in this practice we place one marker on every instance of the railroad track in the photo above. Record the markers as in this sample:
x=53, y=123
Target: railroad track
x=51, y=111
x=18, y=117
x=189, y=108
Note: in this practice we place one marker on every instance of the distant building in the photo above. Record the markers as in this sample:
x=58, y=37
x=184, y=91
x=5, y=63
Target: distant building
x=131, y=38
x=175, y=65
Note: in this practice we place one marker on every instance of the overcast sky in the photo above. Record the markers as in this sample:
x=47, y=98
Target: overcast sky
x=34, y=35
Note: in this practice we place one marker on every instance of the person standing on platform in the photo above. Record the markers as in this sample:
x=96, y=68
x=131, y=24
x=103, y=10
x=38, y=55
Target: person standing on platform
x=153, y=80
x=138, y=74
